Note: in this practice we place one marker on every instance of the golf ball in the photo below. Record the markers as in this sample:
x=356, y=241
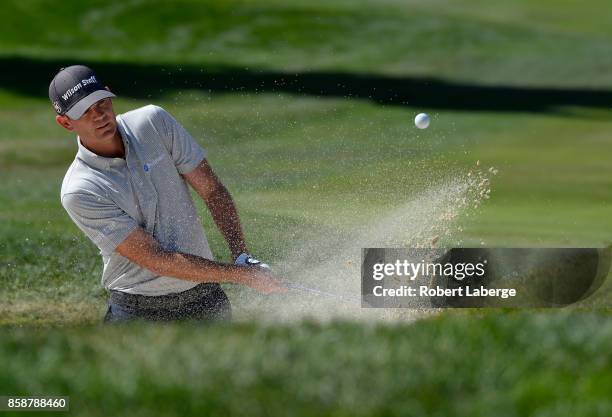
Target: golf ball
x=421, y=121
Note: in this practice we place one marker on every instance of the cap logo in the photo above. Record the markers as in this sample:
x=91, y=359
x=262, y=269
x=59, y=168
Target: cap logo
x=57, y=107
x=90, y=80
x=70, y=92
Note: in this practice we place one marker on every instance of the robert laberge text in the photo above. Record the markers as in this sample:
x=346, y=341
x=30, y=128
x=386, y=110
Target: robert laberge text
x=425, y=291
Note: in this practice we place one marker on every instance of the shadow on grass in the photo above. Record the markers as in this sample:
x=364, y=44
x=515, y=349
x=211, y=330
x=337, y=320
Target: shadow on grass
x=31, y=77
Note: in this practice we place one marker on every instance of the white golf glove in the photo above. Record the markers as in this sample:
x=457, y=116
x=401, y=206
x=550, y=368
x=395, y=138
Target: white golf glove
x=244, y=259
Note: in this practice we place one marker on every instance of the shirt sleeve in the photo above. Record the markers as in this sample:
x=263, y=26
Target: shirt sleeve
x=104, y=223
x=185, y=151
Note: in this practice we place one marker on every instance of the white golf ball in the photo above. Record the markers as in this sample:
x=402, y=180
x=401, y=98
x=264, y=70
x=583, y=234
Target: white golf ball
x=422, y=121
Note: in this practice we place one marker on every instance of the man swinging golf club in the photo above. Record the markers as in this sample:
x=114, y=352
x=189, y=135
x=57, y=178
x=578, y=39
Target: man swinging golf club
x=127, y=191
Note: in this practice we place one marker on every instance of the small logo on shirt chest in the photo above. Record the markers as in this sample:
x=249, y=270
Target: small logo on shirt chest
x=148, y=165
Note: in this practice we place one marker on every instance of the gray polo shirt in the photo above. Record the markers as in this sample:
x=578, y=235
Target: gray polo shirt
x=108, y=198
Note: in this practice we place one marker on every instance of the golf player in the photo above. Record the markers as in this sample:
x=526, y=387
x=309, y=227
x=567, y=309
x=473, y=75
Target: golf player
x=127, y=190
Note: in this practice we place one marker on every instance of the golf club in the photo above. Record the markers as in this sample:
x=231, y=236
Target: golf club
x=302, y=288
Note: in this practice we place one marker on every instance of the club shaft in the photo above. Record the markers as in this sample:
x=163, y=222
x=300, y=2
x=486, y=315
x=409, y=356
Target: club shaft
x=303, y=288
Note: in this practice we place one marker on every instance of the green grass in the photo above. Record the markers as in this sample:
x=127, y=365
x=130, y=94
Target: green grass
x=456, y=364
x=309, y=165
x=518, y=43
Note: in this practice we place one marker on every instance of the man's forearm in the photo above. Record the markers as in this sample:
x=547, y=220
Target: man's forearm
x=220, y=204
x=143, y=249
x=195, y=268
x=225, y=216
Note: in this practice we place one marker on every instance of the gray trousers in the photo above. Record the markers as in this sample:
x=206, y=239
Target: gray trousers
x=204, y=302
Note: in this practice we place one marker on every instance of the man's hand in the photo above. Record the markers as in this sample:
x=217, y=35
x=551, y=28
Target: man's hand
x=244, y=259
x=261, y=280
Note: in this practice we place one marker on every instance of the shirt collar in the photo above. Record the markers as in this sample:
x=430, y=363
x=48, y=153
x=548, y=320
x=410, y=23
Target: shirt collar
x=102, y=162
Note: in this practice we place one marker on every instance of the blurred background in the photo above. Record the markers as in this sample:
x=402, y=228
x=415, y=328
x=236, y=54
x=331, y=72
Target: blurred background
x=306, y=109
